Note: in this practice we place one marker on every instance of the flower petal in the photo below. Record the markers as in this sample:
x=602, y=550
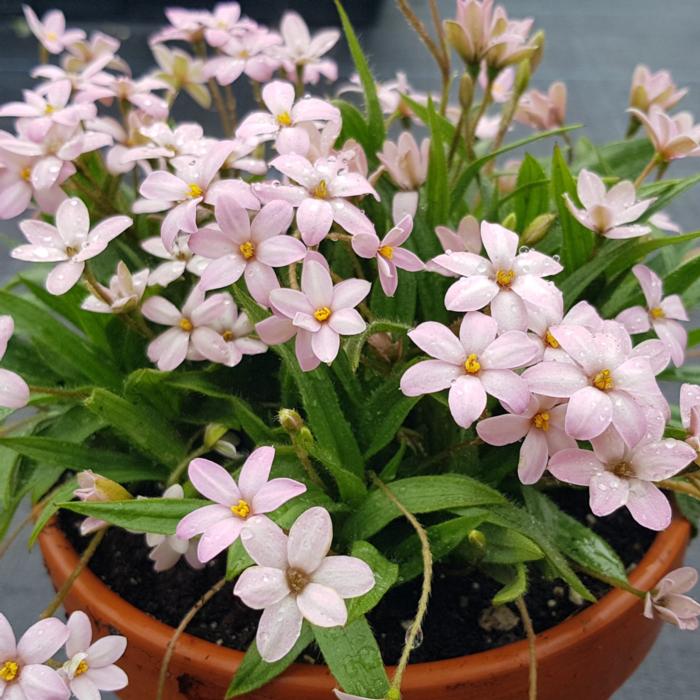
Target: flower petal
x=196, y=522
x=348, y=576
x=322, y=606
x=278, y=629
x=213, y=482
x=314, y=219
x=218, y=537
x=439, y=342
x=429, y=376
x=310, y=539
x=467, y=400
x=255, y=472
x=41, y=641
x=275, y=493
x=265, y=542
x=608, y=492
x=533, y=457
x=260, y=587
x=575, y=466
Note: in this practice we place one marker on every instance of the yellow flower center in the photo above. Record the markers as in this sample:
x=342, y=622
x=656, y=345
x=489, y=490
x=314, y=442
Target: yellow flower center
x=320, y=191
x=82, y=668
x=386, y=251
x=472, y=365
x=322, y=314
x=49, y=109
x=551, y=340
x=541, y=421
x=284, y=119
x=186, y=325
x=25, y=174
x=657, y=312
x=241, y=509
x=623, y=470
x=247, y=250
x=603, y=380
x=194, y=190
x=504, y=278
x=9, y=671
x=228, y=336
x=244, y=54
x=71, y=251
x=297, y=580
x=51, y=36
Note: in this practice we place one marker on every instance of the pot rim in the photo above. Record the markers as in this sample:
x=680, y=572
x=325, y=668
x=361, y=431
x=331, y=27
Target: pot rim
x=149, y=633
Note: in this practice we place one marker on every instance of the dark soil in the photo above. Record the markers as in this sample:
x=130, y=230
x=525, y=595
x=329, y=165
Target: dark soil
x=459, y=601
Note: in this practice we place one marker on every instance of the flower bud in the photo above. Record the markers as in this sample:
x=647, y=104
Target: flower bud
x=536, y=57
x=393, y=694
x=477, y=539
x=213, y=433
x=94, y=487
x=510, y=222
x=290, y=420
x=522, y=76
x=537, y=229
x=466, y=91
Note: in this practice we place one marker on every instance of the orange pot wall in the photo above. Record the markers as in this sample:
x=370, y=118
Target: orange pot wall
x=586, y=657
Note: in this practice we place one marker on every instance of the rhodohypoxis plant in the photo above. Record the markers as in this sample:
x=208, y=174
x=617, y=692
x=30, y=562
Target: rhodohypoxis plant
x=329, y=334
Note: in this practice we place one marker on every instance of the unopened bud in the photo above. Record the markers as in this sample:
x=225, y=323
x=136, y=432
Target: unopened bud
x=213, y=433
x=304, y=438
x=94, y=487
x=225, y=449
x=522, y=76
x=536, y=57
x=537, y=229
x=477, y=539
x=466, y=91
x=393, y=694
x=510, y=222
x=290, y=420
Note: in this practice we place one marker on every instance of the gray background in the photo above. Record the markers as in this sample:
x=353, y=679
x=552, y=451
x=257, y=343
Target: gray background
x=593, y=46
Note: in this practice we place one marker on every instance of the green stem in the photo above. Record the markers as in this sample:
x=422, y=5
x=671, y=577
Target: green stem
x=55, y=391
x=180, y=468
x=472, y=126
x=415, y=627
x=647, y=169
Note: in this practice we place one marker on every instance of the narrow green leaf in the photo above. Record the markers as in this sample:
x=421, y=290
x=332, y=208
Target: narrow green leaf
x=533, y=192
x=385, y=575
x=515, y=584
x=355, y=343
x=145, y=429
x=665, y=191
x=437, y=187
x=419, y=494
x=507, y=546
x=237, y=560
x=49, y=510
x=375, y=117
x=111, y=464
x=353, y=657
x=577, y=240
x=354, y=126
x=624, y=159
x=253, y=672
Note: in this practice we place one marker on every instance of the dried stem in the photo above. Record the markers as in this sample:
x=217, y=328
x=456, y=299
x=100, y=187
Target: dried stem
x=530, y=632
x=170, y=649
x=68, y=583
x=415, y=627
x=56, y=391
x=679, y=487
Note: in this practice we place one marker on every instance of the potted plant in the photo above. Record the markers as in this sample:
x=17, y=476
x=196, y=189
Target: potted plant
x=398, y=404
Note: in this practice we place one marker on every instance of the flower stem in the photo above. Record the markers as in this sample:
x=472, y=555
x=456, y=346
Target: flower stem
x=201, y=50
x=679, y=487
x=170, y=649
x=647, y=169
x=55, y=391
x=180, y=468
x=530, y=632
x=415, y=627
x=68, y=583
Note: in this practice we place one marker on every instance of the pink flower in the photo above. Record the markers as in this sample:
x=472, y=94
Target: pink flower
x=23, y=675
x=465, y=239
x=241, y=247
x=221, y=523
x=389, y=254
x=248, y=53
x=168, y=549
x=608, y=213
x=282, y=121
x=649, y=89
x=41, y=112
x=183, y=192
x=178, y=259
x=507, y=281
x=70, y=242
x=662, y=314
x=481, y=32
x=667, y=599
x=502, y=85
x=390, y=94
x=542, y=426
x=190, y=335
x=543, y=111
x=139, y=92
x=408, y=167
x=322, y=311
x=51, y=30
x=94, y=487
x=663, y=221
x=223, y=23
x=124, y=292
x=182, y=72
x=471, y=366
x=235, y=329
x=301, y=50
x=85, y=52
x=673, y=137
x=320, y=196
x=90, y=667
x=14, y=392
x=619, y=475
x=690, y=413
x=165, y=142
x=295, y=580
x=604, y=383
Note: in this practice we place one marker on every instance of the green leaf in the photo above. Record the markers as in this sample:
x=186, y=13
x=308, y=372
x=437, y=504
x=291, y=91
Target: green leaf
x=437, y=188
x=665, y=191
x=145, y=429
x=624, y=159
x=253, y=672
x=49, y=510
x=353, y=657
x=237, y=560
x=354, y=126
x=579, y=543
x=108, y=463
x=687, y=374
x=375, y=117
x=355, y=343
x=515, y=583
x=577, y=240
x=507, y=546
x=157, y=515
x=385, y=575
x=690, y=507
x=37, y=323
x=419, y=494
x=533, y=192
x=444, y=538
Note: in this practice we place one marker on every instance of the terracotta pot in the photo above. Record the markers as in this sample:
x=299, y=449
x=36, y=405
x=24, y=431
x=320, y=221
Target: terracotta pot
x=586, y=657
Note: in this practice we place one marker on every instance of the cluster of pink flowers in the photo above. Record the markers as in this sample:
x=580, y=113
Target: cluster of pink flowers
x=25, y=671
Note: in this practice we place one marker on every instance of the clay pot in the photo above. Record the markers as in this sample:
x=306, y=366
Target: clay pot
x=586, y=657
